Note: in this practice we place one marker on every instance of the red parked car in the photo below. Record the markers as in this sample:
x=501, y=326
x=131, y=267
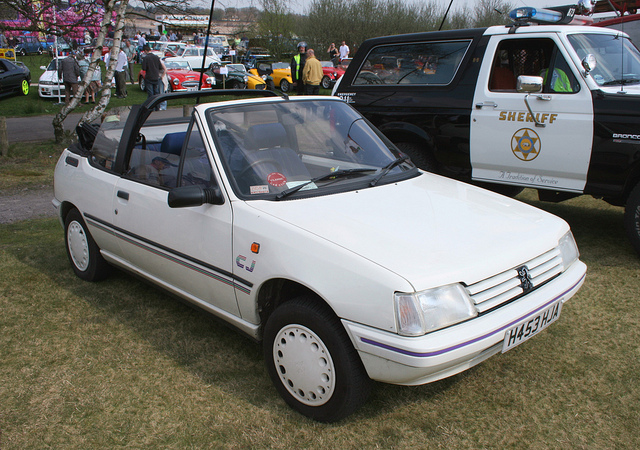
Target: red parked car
x=181, y=77
x=330, y=74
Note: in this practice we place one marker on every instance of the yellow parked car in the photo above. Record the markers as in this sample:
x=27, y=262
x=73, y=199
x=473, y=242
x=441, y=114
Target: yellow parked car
x=279, y=71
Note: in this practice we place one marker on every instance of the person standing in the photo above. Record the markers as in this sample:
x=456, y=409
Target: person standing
x=84, y=68
x=94, y=86
x=69, y=71
x=142, y=41
x=121, y=67
x=297, y=64
x=153, y=68
x=130, y=53
x=312, y=74
x=344, y=51
x=333, y=54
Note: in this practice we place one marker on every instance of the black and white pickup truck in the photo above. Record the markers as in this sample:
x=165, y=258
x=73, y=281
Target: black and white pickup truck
x=553, y=106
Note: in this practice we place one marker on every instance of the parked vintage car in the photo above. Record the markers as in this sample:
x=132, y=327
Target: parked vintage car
x=14, y=78
x=29, y=45
x=227, y=77
x=181, y=77
x=301, y=225
x=194, y=55
x=253, y=81
x=330, y=74
x=279, y=71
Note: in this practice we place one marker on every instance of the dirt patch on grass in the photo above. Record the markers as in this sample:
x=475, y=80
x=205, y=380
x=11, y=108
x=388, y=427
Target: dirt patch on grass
x=26, y=204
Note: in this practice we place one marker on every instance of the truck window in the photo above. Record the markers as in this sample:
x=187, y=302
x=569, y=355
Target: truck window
x=423, y=63
x=533, y=57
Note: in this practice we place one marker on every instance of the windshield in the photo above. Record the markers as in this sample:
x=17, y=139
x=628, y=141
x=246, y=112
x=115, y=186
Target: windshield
x=177, y=65
x=270, y=148
x=237, y=67
x=617, y=59
x=54, y=64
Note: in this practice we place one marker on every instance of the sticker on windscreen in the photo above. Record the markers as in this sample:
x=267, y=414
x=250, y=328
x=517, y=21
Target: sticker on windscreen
x=276, y=179
x=263, y=189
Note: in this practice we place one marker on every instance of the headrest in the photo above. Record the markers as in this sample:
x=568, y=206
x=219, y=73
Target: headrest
x=172, y=143
x=266, y=135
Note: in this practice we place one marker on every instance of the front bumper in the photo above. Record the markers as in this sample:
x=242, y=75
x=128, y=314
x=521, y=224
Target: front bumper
x=51, y=90
x=396, y=359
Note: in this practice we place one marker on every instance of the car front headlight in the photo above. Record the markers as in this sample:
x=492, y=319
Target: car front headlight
x=568, y=249
x=176, y=81
x=211, y=81
x=422, y=312
x=245, y=78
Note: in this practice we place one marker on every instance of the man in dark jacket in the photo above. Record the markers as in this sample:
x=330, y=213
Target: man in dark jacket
x=69, y=71
x=297, y=64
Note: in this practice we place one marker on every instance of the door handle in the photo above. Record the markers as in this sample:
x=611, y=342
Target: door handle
x=492, y=104
x=533, y=116
x=123, y=195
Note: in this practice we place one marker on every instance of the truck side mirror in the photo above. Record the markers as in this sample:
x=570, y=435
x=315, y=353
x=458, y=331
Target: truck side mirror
x=529, y=84
x=588, y=63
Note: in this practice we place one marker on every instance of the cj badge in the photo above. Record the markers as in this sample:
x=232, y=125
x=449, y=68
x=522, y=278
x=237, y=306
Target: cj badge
x=525, y=144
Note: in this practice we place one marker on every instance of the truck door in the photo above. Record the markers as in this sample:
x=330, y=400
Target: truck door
x=507, y=145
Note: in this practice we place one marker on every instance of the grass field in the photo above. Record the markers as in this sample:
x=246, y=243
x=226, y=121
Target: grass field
x=118, y=363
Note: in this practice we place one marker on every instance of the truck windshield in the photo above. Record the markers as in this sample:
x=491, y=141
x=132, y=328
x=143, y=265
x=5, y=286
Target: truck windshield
x=618, y=60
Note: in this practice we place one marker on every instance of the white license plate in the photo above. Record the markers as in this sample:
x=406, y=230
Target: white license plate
x=192, y=88
x=531, y=326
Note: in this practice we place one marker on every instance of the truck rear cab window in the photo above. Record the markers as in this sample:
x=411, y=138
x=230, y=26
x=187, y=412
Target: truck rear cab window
x=422, y=63
x=532, y=57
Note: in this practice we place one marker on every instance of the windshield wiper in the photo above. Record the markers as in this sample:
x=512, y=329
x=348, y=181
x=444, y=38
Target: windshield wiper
x=336, y=174
x=386, y=169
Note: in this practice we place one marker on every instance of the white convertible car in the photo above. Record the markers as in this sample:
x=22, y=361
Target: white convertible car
x=304, y=227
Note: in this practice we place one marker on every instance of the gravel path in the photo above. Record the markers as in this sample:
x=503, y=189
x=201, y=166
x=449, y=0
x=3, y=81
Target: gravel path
x=27, y=204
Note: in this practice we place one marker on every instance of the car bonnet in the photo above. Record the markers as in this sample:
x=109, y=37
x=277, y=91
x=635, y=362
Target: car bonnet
x=429, y=230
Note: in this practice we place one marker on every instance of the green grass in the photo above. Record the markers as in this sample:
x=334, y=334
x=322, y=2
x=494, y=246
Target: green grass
x=28, y=166
x=119, y=363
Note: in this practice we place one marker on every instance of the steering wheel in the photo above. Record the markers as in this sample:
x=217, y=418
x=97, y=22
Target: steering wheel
x=258, y=162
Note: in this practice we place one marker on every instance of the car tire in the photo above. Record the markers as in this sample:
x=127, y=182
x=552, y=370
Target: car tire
x=632, y=217
x=83, y=252
x=419, y=156
x=40, y=51
x=312, y=361
x=233, y=85
x=23, y=52
x=326, y=82
x=285, y=86
x=142, y=84
x=24, y=87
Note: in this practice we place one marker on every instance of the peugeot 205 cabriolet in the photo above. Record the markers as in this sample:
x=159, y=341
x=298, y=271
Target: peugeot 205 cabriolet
x=300, y=224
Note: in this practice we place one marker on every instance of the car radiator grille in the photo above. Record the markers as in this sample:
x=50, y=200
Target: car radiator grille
x=190, y=83
x=506, y=286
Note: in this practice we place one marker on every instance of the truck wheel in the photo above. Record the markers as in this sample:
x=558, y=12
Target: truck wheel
x=326, y=82
x=419, y=155
x=632, y=217
x=84, y=254
x=312, y=362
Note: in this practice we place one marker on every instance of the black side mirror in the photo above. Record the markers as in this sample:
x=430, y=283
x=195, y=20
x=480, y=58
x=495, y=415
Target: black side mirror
x=188, y=196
